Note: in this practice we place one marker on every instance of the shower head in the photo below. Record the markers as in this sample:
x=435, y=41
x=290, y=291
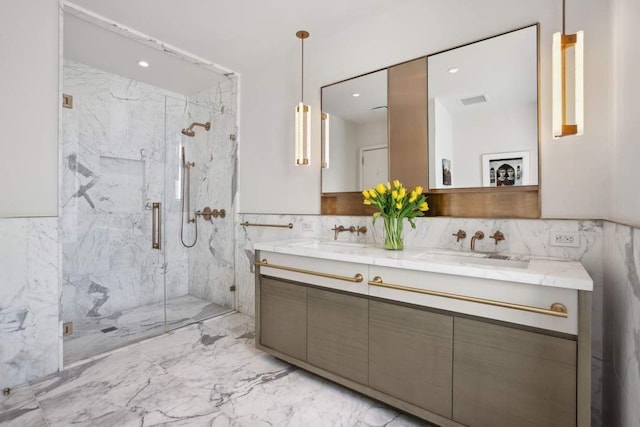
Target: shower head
x=190, y=132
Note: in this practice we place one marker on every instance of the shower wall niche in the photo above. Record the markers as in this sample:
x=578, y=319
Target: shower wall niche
x=120, y=153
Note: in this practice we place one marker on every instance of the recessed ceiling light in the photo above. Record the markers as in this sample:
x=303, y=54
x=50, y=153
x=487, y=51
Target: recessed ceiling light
x=143, y=63
x=355, y=94
x=452, y=70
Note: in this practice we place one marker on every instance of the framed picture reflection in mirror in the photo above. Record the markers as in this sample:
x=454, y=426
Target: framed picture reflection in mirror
x=505, y=169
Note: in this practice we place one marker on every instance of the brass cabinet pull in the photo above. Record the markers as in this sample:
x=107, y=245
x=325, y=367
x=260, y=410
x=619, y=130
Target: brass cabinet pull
x=355, y=279
x=156, y=226
x=557, y=309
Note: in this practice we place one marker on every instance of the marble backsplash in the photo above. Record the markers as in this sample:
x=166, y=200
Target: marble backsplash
x=527, y=237
x=29, y=332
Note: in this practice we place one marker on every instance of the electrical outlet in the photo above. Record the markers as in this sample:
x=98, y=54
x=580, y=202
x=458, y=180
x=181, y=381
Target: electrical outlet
x=307, y=226
x=565, y=238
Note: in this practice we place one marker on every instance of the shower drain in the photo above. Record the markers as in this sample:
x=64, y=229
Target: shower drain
x=109, y=329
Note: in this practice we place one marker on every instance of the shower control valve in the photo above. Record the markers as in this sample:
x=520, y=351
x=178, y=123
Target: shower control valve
x=207, y=213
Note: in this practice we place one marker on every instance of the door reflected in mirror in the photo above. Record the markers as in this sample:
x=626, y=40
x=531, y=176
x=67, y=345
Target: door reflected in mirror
x=354, y=133
x=483, y=105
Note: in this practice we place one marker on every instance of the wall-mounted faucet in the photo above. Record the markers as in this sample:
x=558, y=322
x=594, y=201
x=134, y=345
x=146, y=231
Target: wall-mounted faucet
x=339, y=229
x=498, y=235
x=461, y=234
x=479, y=235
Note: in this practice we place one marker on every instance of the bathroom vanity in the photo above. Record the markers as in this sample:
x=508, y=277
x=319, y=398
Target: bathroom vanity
x=456, y=338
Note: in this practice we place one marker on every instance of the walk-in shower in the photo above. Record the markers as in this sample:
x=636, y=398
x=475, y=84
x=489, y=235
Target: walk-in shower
x=132, y=180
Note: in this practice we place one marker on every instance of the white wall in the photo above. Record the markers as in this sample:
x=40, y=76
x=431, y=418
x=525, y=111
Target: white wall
x=624, y=170
x=485, y=132
x=442, y=133
x=341, y=174
x=413, y=29
x=29, y=108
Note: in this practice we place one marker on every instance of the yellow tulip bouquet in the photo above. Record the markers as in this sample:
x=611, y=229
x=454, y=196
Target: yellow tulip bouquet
x=395, y=204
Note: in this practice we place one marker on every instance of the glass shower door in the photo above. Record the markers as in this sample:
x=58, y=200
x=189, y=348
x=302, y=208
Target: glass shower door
x=111, y=197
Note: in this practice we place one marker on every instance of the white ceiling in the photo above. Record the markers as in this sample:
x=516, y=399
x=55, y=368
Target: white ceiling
x=107, y=50
x=237, y=34
x=503, y=68
x=338, y=99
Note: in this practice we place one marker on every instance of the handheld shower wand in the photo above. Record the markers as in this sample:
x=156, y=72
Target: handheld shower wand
x=186, y=199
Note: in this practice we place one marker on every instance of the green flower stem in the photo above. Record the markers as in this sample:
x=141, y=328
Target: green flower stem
x=393, y=233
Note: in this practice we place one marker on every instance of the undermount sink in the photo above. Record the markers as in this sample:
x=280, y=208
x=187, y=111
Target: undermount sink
x=328, y=244
x=475, y=258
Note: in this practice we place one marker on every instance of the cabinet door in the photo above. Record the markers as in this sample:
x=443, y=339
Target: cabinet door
x=338, y=339
x=283, y=317
x=509, y=377
x=410, y=355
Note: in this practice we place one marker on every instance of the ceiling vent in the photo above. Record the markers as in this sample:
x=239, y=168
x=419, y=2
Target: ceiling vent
x=473, y=100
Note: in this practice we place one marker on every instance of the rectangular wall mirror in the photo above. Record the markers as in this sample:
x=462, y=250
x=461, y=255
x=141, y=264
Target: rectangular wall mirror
x=463, y=123
x=354, y=133
x=483, y=113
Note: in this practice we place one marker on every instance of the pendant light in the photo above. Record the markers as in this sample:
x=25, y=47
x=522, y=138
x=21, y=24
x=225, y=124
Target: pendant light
x=303, y=117
x=561, y=91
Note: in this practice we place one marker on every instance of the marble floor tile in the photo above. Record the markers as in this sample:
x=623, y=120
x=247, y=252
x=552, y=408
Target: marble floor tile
x=21, y=408
x=135, y=324
x=205, y=374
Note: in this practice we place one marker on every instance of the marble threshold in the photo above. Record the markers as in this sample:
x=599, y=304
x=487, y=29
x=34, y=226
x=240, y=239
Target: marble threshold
x=205, y=374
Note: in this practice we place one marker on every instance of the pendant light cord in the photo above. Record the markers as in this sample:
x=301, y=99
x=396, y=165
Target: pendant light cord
x=564, y=23
x=302, y=63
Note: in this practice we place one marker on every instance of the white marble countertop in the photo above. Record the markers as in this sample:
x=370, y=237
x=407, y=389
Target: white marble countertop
x=554, y=272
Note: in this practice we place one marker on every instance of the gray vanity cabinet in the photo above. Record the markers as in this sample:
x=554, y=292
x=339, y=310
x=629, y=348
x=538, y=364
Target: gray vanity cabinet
x=283, y=317
x=337, y=333
x=410, y=355
x=509, y=377
x=452, y=362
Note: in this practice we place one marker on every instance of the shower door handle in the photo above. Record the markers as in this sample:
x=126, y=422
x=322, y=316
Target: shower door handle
x=156, y=226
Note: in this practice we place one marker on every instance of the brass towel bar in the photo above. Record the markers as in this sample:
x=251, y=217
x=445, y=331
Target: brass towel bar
x=557, y=309
x=248, y=224
x=355, y=279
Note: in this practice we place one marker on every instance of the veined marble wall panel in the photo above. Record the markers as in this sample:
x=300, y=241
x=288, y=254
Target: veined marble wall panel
x=527, y=237
x=211, y=260
x=622, y=325
x=29, y=327
x=113, y=167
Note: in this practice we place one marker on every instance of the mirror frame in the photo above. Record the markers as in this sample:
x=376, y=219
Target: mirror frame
x=477, y=202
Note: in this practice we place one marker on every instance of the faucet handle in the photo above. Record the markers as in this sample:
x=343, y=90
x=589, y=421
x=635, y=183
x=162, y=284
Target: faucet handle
x=461, y=234
x=498, y=235
x=361, y=229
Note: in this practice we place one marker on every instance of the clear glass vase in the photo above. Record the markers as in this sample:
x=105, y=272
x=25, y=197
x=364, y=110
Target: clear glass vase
x=393, y=233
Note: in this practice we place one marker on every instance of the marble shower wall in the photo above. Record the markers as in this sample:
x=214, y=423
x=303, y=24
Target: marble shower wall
x=622, y=325
x=211, y=260
x=120, y=152
x=29, y=333
x=528, y=237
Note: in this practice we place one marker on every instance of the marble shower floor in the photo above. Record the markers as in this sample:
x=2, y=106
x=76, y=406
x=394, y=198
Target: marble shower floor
x=205, y=374
x=135, y=324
